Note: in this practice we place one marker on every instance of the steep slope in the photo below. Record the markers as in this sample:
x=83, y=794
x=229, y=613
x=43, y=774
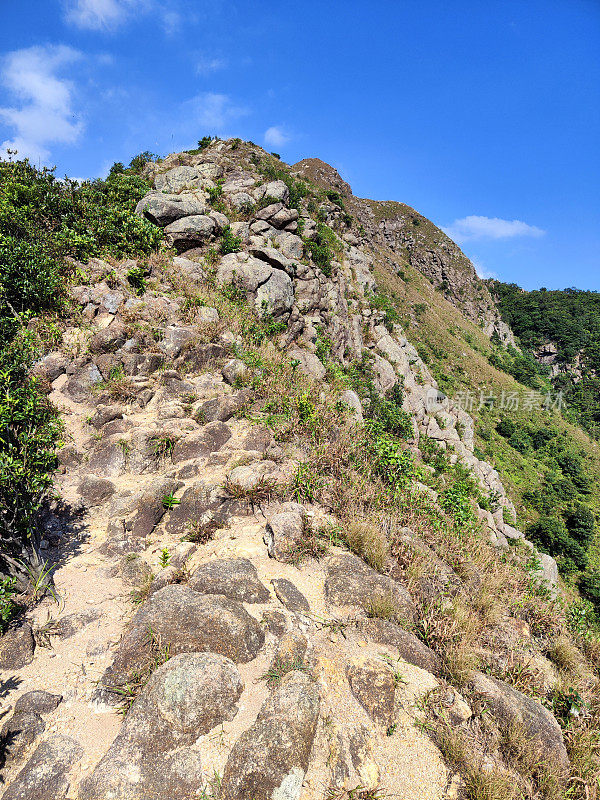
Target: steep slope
x=330, y=596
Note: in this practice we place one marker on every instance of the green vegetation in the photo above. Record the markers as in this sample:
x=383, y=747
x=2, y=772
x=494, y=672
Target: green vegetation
x=570, y=319
x=43, y=220
x=276, y=172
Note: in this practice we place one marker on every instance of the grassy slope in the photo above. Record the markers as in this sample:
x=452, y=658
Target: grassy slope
x=456, y=350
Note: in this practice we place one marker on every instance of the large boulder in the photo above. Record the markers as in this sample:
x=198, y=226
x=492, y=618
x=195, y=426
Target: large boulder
x=188, y=232
x=235, y=578
x=162, y=209
x=510, y=707
x=45, y=775
x=269, y=761
x=17, y=647
x=186, y=622
x=350, y=582
x=178, y=179
x=373, y=684
x=184, y=698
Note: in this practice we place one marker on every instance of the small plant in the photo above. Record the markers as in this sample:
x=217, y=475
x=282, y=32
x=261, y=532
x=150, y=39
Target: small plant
x=159, y=654
x=358, y=793
x=281, y=667
x=169, y=501
x=215, y=192
x=200, y=532
x=162, y=446
x=137, y=277
x=164, y=558
x=382, y=607
x=261, y=491
x=229, y=242
x=8, y=609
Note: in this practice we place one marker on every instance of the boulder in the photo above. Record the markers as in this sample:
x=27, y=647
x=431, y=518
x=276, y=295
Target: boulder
x=186, y=697
x=275, y=258
x=309, y=363
x=201, y=443
x=284, y=530
x=17, y=647
x=177, y=179
x=37, y=701
x=235, y=578
x=186, y=622
x=162, y=209
x=45, y=774
x=291, y=597
x=351, y=582
x=411, y=649
x=269, y=760
x=95, y=490
x=188, y=232
x=373, y=684
x=509, y=707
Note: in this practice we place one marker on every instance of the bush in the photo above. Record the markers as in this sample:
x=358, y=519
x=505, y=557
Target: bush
x=589, y=586
x=229, y=242
x=553, y=537
x=8, y=589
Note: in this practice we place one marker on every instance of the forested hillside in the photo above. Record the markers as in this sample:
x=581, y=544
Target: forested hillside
x=562, y=329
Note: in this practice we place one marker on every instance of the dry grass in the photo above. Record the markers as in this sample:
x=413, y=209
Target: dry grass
x=369, y=541
x=262, y=491
x=563, y=652
x=384, y=607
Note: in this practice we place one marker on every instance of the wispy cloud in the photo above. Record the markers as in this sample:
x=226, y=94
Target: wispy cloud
x=98, y=14
x=171, y=21
x=206, y=65
x=482, y=270
x=477, y=227
x=276, y=136
x=214, y=111
x=44, y=114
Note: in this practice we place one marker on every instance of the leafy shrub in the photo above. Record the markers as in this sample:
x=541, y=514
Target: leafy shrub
x=553, y=537
x=589, y=586
x=391, y=461
x=275, y=172
x=229, y=242
x=322, y=248
x=8, y=590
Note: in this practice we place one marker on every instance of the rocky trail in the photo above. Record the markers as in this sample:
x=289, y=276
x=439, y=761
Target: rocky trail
x=200, y=640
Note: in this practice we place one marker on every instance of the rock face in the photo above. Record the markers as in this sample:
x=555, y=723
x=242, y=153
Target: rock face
x=185, y=698
x=351, y=582
x=46, y=773
x=184, y=621
x=269, y=761
x=236, y=578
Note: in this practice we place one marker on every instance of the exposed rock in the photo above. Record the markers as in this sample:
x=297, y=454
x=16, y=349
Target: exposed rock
x=352, y=400
x=37, y=701
x=291, y=597
x=184, y=698
x=19, y=733
x=188, y=232
x=45, y=774
x=408, y=646
x=309, y=363
x=179, y=178
x=284, y=530
x=510, y=706
x=351, y=582
x=269, y=760
x=374, y=686
x=72, y=623
x=95, y=490
x=201, y=443
x=235, y=578
x=187, y=622
x=163, y=209
x=17, y=647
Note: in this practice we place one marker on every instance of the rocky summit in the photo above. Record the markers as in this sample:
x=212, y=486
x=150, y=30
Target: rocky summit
x=279, y=564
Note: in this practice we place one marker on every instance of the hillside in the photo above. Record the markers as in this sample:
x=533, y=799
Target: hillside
x=277, y=537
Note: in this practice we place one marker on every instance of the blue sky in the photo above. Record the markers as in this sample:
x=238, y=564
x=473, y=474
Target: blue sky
x=484, y=116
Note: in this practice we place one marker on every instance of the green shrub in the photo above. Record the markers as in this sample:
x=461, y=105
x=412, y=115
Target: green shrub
x=589, y=586
x=229, y=242
x=8, y=590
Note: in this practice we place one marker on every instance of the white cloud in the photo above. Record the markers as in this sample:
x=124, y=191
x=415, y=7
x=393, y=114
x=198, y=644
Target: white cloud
x=171, y=22
x=477, y=227
x=276, y=136
x=97, y=14
x=482, y=270
x=205, y=65
x=213, y=111
x=45, y=114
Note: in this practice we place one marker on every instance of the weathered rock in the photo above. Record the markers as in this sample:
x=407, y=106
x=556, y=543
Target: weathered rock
x=275, y=258
x=37, y=701
x=269, y=761
x=162, y=209
x=95, y=490
x=179, y=178
x=17, y=647
x=351, y=582
x=509, y=706
x=291, y=597
x=134, y=571
x=105, y=414
x=201, y=443
x=109, y=339
x=408, y=646
x=277, y=190
x=80, y=384
x=188, y=232
x=187, y=622
x=235, y=578
x=45, y=774
x=284, y=530
x=291, y=651
x=50, y=366
x=184, y=698
x=373, y=684
x=352, y=400
x=308, y=363
x=19, y=733
x=196, y=503
x=224, y=407
x=71, y=624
